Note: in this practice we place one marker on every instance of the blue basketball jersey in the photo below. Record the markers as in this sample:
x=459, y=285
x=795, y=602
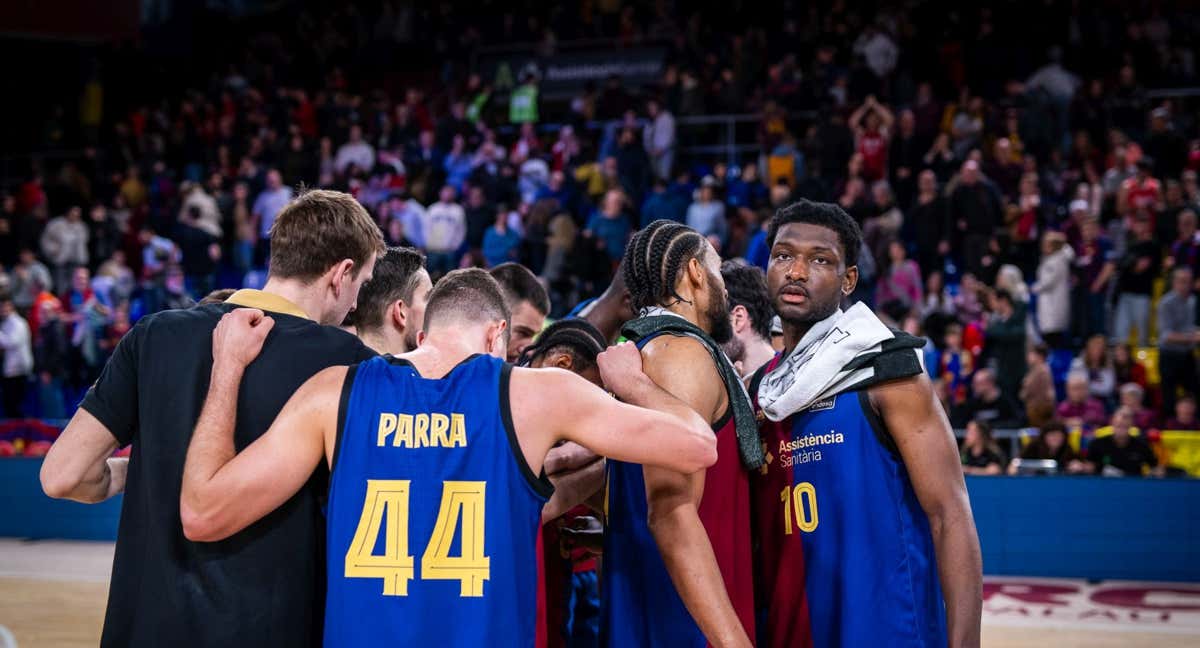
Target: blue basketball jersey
x=841, y=532
x=433, y=511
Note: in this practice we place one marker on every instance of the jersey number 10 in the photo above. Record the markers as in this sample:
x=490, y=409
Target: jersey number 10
x=793, y=499
x=387, y=503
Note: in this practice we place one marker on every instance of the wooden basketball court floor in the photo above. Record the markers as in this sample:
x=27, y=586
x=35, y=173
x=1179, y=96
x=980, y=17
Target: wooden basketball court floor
x=52, y=594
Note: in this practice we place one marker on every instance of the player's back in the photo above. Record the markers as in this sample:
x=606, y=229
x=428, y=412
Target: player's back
x=433, y=511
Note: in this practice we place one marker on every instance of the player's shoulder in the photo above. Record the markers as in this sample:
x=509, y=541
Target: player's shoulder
x=677, y=349
x=522, y=378
x=902, y=392
x=177, y=324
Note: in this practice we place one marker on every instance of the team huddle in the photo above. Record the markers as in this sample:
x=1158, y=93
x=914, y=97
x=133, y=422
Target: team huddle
x=292, y=484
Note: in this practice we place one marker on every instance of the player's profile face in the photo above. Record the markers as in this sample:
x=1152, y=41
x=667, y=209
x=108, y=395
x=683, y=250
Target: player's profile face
x=526, y=324
x=416, y=309
x=805, y=275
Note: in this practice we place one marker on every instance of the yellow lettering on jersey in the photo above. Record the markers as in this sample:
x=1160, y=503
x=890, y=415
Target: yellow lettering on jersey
x=413, y=431
x=404, y=435
x=420, y=431
x=465, y=501
x=794, y=500
x=386, y=499
x=458, y=431
x=438, y=424
x=387, y=425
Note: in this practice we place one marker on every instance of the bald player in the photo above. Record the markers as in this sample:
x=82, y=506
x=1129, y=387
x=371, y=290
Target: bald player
x=608, y=312
x=391, y=306
x=527, y=301
x=433, y=452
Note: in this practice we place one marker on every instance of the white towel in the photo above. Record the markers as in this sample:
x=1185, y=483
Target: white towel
x=816, y=368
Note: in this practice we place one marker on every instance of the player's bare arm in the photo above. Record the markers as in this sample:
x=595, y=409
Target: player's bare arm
x=684, y=368
x=670, y=434
x=927, y=445
x=225, y=491
x=80, y=465
x=576, y=472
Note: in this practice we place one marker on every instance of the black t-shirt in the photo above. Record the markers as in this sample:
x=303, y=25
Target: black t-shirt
x=193, y=245
x=261, y=587
x=999, y=413
x=479, y=219
x=984, y=460
x=1130, y=459
x=1129, y=280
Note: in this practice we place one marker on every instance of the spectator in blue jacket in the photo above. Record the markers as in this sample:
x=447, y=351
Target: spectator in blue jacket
x=663, y=204
x=500, y=242
x=609, y=224
x=458, y=164
x=707, y=214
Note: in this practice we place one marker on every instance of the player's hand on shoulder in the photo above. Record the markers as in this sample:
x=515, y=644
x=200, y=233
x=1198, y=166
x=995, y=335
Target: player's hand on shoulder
x=239, y=337
x=621, y=369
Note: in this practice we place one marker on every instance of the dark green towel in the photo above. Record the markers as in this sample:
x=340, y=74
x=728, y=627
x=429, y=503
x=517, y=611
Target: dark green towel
x=749, y=446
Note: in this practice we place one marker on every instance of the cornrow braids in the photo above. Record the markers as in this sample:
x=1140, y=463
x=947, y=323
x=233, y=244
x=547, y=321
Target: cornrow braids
x=653, y=261
x=633, y=266
x=683, y=247
x=578, y=336
x=656, y=248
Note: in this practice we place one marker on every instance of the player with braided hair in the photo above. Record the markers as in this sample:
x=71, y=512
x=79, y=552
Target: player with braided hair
x=570, y=344
x=677, y=555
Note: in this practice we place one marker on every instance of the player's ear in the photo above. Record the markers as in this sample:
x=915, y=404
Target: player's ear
x=398, y=314
x=420, y=338
x=739, y=317
x=340, y=275
x=563, y=361
x=695, y=272
x=496, y=343
x=850, y=280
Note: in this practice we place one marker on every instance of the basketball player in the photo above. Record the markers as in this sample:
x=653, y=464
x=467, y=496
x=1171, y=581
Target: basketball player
x=677, y=559
x=750, y=314
x=431, y=452
x=866, y=532
x=527, y=301
x=577, y=474
x=391, y=306
x=165, y=590
x=568, y=599
x=608, y=312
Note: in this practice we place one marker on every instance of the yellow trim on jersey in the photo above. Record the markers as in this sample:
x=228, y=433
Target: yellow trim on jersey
x=266, y=301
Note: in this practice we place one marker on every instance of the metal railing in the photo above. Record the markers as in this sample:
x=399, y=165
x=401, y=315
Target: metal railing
x=1010, y=436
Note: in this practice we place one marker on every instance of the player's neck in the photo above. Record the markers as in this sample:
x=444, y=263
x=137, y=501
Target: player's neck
x=758, y=353
x=384, y=341
x=438, y=353
x=687, y=311
x=306, y=296
x=792, y=334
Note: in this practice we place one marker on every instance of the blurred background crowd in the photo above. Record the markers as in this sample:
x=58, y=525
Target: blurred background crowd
x=1029, y=200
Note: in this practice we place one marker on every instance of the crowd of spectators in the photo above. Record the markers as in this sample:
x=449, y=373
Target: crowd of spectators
x=1022, y=195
